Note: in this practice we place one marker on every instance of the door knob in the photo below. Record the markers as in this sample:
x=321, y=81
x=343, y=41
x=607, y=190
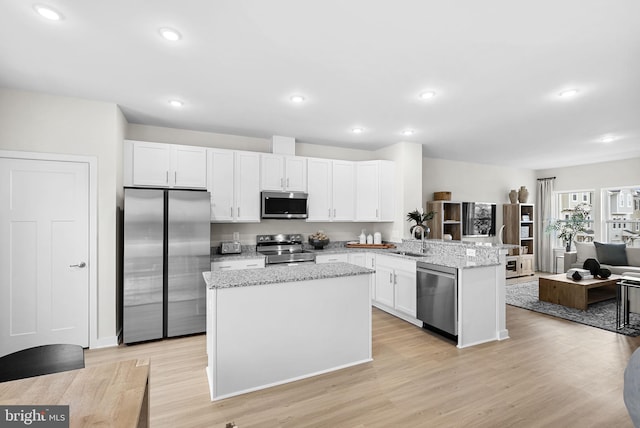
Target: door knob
x=80, y=265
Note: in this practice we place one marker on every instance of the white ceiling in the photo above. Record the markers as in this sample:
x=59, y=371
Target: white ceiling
x=497, y=67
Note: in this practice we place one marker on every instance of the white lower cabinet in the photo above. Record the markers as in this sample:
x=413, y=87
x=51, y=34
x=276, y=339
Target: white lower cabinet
x=367, y=260
x=395, y=287
x=238, y=264
x=332, y=258
x=405, y=291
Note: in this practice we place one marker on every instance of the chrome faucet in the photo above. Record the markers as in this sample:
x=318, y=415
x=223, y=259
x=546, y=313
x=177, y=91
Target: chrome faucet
x=423, y=248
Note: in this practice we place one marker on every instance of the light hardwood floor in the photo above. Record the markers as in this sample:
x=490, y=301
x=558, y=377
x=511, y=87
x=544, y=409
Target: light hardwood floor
x=550, y=373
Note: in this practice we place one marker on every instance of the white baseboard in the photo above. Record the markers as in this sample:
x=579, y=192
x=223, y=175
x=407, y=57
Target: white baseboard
x=105, y=342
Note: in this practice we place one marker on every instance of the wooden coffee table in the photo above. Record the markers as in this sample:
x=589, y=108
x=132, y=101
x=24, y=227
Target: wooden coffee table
x=576, y=294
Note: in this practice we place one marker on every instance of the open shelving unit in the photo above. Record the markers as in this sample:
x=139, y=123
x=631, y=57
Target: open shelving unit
x=519, y=229
x=448, y=219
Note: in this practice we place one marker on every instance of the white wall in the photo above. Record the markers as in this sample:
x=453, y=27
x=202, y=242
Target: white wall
x=473, y=182
x=408, y=185
x=160, y=134
x=332, y=152
x=37, y=122
x=595, y=177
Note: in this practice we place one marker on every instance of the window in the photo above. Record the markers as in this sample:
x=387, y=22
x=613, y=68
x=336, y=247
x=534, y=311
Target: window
x=566, y=202
x=621, y=215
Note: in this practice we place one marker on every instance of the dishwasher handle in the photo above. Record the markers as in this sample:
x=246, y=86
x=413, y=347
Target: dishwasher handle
x=445, y=271
x=438, y=273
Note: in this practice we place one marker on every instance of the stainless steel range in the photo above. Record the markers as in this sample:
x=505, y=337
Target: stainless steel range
x=283, y=248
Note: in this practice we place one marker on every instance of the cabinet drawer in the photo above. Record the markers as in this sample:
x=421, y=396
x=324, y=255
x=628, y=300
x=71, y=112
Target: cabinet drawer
x=332, y=258
x=238, y=264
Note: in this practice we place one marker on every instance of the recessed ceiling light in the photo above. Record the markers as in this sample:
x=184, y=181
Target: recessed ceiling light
x=408, y=132
x=297, y=98
x=568, y=93
x=47, y=12
x=170, y=34
x=176, y=103
x=426, y=95
x=608, y=139
x=357, y=130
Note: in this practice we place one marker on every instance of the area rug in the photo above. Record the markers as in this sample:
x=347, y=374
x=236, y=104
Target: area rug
x=601, y=315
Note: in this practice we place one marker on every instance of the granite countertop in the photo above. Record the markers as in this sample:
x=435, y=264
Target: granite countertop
x=273, y=274
x=432, y=256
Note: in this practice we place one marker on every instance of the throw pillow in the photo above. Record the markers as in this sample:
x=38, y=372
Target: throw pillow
x=633, y=256
x=611, y=254
x=585, y=250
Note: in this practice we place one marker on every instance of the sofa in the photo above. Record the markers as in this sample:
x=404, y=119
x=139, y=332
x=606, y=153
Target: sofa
x=618, y=258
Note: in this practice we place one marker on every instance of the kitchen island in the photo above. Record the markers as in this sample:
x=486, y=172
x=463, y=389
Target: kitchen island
x=279, y=324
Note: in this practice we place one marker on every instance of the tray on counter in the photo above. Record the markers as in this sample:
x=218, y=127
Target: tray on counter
x=379, y=246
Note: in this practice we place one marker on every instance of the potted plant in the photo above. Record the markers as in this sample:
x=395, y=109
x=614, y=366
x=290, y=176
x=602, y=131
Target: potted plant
x=421, y=218
x=576, y=222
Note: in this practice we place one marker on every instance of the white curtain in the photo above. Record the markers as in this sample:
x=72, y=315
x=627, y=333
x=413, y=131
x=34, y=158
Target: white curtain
x=544, y=211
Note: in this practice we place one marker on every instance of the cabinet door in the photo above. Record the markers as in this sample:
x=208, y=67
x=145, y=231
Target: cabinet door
x=151, y=164
x=370, y=260
x=358, y=259
x=189, y=165
x=365, y=260
x=343, y=191
x=384, y=285
x=526, y=265
x=319, y=189
x=271, y=172
x=405, y=291
x=366, y=191
x=247, y=187
x=220, y=184
x=386, y=192
x=295, y=174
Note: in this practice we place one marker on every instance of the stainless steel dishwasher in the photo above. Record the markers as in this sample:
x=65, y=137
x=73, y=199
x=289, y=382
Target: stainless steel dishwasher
x=437, y=291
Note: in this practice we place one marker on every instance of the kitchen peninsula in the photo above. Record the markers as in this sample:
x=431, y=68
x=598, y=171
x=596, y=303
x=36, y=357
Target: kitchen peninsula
x=283, y=323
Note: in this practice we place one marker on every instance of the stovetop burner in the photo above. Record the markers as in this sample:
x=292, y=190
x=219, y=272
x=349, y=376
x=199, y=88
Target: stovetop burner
x=283, y=248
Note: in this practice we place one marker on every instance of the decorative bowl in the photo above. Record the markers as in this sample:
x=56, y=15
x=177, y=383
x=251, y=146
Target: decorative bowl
x=318, y=244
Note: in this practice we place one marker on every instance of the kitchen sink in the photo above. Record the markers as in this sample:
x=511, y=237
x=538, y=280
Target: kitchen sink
x=410, y=254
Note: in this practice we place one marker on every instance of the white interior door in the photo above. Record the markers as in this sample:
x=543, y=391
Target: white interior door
x=44, y=253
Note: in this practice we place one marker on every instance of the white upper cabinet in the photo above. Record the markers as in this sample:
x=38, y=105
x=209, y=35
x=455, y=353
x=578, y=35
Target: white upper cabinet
x=319, y=188
x=234, y=184
x=375, y=190
x=189, y=165
x=338, y=190
x=343, y=190
x=331, y=187
x=283, y=173
x=164, y=165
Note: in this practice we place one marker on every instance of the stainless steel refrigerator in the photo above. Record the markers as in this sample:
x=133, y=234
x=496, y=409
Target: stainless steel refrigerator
x=166, y=249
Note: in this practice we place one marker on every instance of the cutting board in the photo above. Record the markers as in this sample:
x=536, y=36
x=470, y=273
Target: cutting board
x=379, y=246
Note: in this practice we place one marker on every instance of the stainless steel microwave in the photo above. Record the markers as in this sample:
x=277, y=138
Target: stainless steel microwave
x=284, y=205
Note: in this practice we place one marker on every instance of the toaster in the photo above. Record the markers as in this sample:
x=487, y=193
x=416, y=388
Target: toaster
x=230, y=247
